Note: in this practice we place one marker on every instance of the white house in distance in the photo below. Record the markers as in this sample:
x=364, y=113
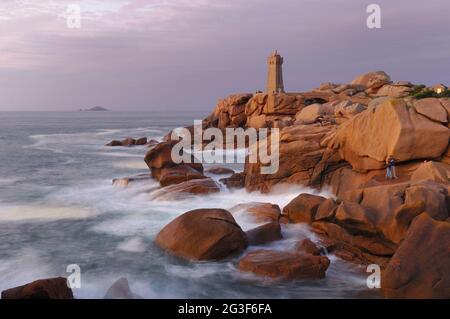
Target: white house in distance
x=439, y=88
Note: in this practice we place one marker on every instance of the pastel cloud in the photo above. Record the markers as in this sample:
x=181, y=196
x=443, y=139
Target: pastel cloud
x=205, y=48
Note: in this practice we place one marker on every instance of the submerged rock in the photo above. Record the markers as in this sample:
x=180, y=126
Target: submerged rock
x=192, y=187
x=284, y=265
x=121, y=290
x=262, y=212
x=264, y=234
x=203, y=234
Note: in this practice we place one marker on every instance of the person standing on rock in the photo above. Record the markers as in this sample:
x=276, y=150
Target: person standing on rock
x=390, y=169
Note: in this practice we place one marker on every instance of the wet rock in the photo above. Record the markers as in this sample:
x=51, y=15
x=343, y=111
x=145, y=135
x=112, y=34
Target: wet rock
x=326, y=210
x=220, y=171
x=121, y=290
x=203, y=234
x=374, y=244
x=237, y=180
x=126, y=181
x=192, y=187
x=420, y=266
x=141, y=141
x=176, y=174
x=303, y=208
x=309, y=247
x=284, y=265
x=52, y=288
x=262, y=212
x=264, y=234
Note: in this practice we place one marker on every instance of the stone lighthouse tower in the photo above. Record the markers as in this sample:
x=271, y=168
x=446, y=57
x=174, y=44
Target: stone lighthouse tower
x=275, y=75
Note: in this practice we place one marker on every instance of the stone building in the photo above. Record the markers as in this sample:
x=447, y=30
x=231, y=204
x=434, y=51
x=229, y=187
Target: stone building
x=275, y=74
x=439, y=88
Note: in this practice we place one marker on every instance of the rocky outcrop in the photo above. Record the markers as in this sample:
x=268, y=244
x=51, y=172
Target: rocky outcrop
x=284, y=265
x=53, y=288
x=267, y=110
x=229, y=112
x=264, y=234
x=303, y=158
x=395, y=206
x=389, y=129
x=420, y=266
x=203, y=234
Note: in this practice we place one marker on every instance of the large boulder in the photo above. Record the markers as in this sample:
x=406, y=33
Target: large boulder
x=303, y=208
x=420, y=266
x=284, y=265
x=312, y=113
x=372, y=80
x=203, y=234
x=52, y=288
x=389, y=129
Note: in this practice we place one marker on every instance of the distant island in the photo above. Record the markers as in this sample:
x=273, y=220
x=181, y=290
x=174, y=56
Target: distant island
x=94, y=109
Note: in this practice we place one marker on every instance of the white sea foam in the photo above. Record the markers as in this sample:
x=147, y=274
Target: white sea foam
x=40, y=212
x=134, y=245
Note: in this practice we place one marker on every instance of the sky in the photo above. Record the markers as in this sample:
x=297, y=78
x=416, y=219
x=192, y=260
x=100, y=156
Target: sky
x=154, y=55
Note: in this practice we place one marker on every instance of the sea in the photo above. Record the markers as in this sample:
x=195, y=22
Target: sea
x=58, y=207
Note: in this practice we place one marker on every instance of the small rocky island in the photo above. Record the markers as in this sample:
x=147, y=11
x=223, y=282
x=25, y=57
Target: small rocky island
x=95, y=109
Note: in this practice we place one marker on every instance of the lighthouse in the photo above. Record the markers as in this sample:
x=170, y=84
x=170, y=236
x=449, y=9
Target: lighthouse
x=275, y=74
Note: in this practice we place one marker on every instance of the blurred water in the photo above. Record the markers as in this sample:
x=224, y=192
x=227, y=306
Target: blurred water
x=58, y=207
